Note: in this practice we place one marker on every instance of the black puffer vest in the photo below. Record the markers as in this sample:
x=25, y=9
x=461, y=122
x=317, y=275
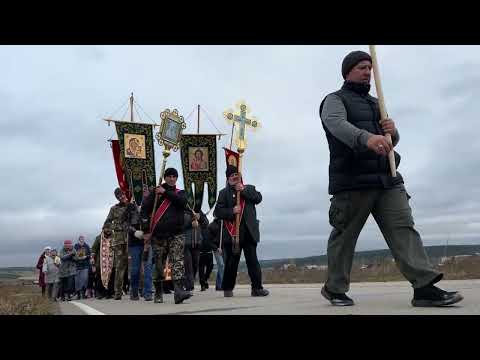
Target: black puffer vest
x=349, y=169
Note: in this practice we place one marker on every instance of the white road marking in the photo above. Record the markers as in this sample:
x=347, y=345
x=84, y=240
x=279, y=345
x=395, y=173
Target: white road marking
x=86, y=309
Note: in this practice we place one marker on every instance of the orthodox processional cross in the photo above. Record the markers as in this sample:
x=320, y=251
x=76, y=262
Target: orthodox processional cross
x=242, y=121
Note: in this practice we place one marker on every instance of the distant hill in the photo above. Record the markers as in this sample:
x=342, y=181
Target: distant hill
x=17, y=269
x=371, y=256
x=12, y=273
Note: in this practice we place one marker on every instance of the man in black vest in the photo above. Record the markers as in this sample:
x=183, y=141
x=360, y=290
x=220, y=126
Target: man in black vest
x=361, y=184
x=227, y=209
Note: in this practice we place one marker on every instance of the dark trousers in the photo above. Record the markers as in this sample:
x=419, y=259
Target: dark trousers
x=349, y=210
x=205, y=267
x=249, y=248
x=191, y=262
x=67, y=286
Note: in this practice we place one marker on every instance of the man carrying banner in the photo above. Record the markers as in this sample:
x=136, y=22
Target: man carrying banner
x=166, y=233
x=361, y=184
x=227, y=209
x=117, y=225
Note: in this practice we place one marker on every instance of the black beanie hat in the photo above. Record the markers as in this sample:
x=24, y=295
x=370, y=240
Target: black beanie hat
x=170, y=171
x=117, y=193
x=231, y=170
x=353, y=59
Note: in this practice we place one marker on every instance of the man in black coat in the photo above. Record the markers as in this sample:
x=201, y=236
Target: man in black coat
x=166, y=236
x=227, y=209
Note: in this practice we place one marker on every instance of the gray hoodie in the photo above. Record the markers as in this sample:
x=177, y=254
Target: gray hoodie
x=68, y=267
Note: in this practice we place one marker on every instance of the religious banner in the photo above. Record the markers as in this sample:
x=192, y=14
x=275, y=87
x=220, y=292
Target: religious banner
x=231, y=157
x=106, y=259
x=122, y=181
x=199, y=164
x=137, y=156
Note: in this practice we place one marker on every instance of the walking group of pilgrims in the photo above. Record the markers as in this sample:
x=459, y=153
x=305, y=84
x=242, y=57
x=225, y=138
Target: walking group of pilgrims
x=360, y=185
x=178, y=235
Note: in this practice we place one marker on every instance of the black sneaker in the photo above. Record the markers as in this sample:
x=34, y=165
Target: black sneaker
x=118, y=297
x=227, y=293
x=260, y=292
x=337, y=299
x=429, y=296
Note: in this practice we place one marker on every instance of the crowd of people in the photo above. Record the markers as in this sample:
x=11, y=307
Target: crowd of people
x=74, y=272
x=67, y=273
x=153, y=255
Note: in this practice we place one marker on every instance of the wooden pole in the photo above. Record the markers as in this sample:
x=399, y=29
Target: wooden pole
x=131, y=107
x=236, y=244
x=231, y=136
x=166, y=153
x=198, y=120
x=381, y=103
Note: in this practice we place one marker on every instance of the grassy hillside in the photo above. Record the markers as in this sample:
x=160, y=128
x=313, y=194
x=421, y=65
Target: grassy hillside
x=369, y=257
x=385, y=270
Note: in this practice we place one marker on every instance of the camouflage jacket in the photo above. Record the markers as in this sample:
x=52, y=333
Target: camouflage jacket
x=118, y=222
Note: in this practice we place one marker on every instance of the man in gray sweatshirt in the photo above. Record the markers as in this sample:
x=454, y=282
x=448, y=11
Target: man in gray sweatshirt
x=361, y=184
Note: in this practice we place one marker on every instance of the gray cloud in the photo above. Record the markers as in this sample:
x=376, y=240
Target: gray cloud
x=57, y=175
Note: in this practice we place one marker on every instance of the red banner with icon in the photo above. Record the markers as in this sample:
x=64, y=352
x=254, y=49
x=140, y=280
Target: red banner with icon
x=122, y=182
x=233, y=158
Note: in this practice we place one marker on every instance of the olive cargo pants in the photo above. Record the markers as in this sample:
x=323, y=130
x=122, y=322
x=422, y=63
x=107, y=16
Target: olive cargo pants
x=348, y=213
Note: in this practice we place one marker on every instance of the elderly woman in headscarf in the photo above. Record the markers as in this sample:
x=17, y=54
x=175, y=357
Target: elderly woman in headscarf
x=41, y=275
x=50, y=269
x=67, y=270
x=82, y=262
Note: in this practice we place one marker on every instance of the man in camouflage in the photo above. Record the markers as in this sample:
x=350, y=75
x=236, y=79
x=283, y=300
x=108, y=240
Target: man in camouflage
x=117, y=225
x=166, y=234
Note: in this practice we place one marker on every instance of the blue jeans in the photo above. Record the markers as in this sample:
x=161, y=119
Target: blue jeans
x=220, y=269
x=136, y=254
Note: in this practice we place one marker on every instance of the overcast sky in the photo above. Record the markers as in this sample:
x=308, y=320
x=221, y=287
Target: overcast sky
x=57, y=172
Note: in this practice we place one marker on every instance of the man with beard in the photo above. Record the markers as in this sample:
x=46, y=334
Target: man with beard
x=227, y=209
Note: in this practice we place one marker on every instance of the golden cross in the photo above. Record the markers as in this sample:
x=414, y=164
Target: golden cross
x=241, y=120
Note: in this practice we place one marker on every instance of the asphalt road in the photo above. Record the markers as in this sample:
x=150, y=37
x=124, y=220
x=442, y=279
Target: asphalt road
x=389, y=298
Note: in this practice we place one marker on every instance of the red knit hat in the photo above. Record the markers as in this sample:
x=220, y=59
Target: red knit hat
x=68, y=243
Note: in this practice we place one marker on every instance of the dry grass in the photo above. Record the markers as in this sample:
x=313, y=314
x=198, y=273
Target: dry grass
x=16, y=299
x=455, y=269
